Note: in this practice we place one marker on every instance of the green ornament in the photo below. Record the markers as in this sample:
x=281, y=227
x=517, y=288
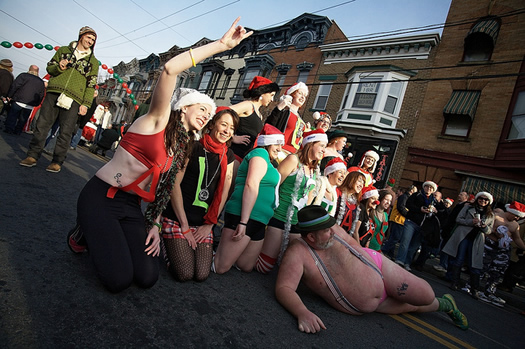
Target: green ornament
x=6, y=44
x=120, y=81
x=99, y=63
x=132, y=96
x=115, y=75
x=48, y=47
x=134, y=102
x=39, y=46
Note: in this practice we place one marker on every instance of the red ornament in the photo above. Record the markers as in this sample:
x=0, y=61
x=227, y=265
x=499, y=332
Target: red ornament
x=96, y=87
x=110, y=71
x=128, y=91
x=28, y=45
x=136, y=107
x=18, y=44
x=124, y=85
x=56, y=48
x=104, y=66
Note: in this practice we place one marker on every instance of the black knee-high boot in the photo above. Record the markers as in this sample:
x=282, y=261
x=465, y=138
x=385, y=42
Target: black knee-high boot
x=474, y=285
x=456, y=277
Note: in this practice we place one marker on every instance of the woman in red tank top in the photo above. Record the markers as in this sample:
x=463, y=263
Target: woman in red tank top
x=123, y=243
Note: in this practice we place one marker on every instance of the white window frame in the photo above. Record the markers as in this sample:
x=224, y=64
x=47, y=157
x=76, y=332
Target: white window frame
x=322, y=93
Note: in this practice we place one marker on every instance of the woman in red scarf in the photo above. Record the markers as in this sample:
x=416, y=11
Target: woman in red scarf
x=199, y=194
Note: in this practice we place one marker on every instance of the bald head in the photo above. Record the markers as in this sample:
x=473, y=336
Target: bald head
x=33, y=69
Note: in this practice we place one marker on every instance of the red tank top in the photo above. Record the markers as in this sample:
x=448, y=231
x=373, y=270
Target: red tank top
x=151, y=151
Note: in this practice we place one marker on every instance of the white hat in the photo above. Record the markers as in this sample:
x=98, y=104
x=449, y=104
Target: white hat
x=314, y=136
x=373, y=155
x=334, y=165
x=368, y=192
x=270, y=135
x=432, y=184
x=188, y=96
x=297, y=86
x=485, y=194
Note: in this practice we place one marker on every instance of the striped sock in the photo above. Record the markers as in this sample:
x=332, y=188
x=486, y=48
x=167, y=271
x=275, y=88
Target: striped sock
x=265, y=263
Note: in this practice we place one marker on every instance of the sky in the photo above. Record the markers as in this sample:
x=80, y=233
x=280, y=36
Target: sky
x=128, y=29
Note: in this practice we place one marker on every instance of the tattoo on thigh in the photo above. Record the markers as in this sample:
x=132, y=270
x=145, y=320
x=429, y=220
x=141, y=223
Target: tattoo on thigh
x=117, y=178
x=402, y=289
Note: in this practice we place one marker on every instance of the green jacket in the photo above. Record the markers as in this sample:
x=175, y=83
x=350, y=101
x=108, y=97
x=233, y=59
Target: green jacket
x=77, y=82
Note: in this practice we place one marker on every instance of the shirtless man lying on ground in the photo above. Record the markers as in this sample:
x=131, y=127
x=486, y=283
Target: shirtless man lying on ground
x=350, y=278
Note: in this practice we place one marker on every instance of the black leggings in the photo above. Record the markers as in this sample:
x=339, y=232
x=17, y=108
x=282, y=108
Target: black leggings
x=115, y=233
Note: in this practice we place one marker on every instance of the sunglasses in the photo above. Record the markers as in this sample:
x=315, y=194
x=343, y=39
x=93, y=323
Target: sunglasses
x=484, y=199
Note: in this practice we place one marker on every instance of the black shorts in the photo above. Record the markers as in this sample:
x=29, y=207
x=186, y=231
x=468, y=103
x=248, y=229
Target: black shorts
x=276, y=223
x=254, y=229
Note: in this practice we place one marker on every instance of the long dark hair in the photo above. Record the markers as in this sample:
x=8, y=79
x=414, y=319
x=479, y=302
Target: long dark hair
x=255, y=93
x=178, y=142
x=218, y=116
x=350, y=181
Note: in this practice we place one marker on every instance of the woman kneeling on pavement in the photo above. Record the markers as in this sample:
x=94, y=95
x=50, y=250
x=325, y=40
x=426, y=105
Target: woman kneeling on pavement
x=123, y=243
x=251, y=205
x=199, y=194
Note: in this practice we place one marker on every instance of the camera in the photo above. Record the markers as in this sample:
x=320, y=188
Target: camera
x=69, y=65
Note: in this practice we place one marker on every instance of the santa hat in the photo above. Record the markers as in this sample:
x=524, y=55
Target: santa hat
x=449, y=200
x=270, y=135
x=259, y=81
x=314, y=136
x=471, y=198
x=188, y=96
x=218, y=109
x=516, y=208
x=297, y=86
x=485, y=194
x=333, y=165
x=372, y=154
x=319, y=115
x=432, y=184
x=368, y=192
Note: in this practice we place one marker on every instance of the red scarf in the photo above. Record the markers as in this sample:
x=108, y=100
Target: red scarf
x=217, y=148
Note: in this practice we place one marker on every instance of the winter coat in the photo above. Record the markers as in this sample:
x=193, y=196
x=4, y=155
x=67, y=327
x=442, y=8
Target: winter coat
x=463, y=228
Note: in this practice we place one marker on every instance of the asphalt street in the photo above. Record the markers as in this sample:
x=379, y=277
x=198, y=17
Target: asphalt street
x=50, y=297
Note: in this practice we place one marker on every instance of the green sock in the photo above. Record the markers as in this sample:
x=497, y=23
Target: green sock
x=444, y=305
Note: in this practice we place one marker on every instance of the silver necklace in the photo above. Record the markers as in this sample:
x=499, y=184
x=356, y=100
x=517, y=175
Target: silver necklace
x=204, y=194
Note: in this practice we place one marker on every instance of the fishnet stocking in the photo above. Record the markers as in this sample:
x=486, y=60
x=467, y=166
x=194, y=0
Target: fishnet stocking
x=187, y=264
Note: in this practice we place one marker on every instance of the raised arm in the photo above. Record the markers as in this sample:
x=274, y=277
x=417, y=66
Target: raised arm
x=160, y=102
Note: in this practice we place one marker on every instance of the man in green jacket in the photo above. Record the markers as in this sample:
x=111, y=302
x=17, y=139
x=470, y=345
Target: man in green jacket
x=70, y=92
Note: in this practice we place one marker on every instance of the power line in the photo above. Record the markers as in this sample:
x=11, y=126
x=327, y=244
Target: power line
x=76, y=2
x=16, y=19
x=156, y=20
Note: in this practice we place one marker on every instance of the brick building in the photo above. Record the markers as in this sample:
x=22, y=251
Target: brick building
x=470, y=132
x=372, y=90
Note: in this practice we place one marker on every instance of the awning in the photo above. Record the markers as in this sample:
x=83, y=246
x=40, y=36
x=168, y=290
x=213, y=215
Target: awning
x=503, y=193
x=487, y=26
x=462, y=103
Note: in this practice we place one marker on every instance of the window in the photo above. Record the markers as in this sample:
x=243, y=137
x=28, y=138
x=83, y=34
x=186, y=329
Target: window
x=206, y=77
x=366, y=93
x=303, y=76
x=517, y=128
x=322, y=97
x=393, y=96
x=280, y=79
x=224, y=87
x=457, y=125
x=481, y=40
x=373, y=98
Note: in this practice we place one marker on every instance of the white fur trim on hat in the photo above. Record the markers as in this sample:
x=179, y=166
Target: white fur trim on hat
x=432, y=184
x=334, y=167
x=372, y=154
x=265, y=140
x=316, y=137
x=369, y=194
x=191, y=97
x=485, y=194
x=514, y=208
x=298, y=86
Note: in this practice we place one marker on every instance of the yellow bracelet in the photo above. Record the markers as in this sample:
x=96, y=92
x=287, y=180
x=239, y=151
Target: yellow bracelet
x=158, y=225
x=192, y=59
